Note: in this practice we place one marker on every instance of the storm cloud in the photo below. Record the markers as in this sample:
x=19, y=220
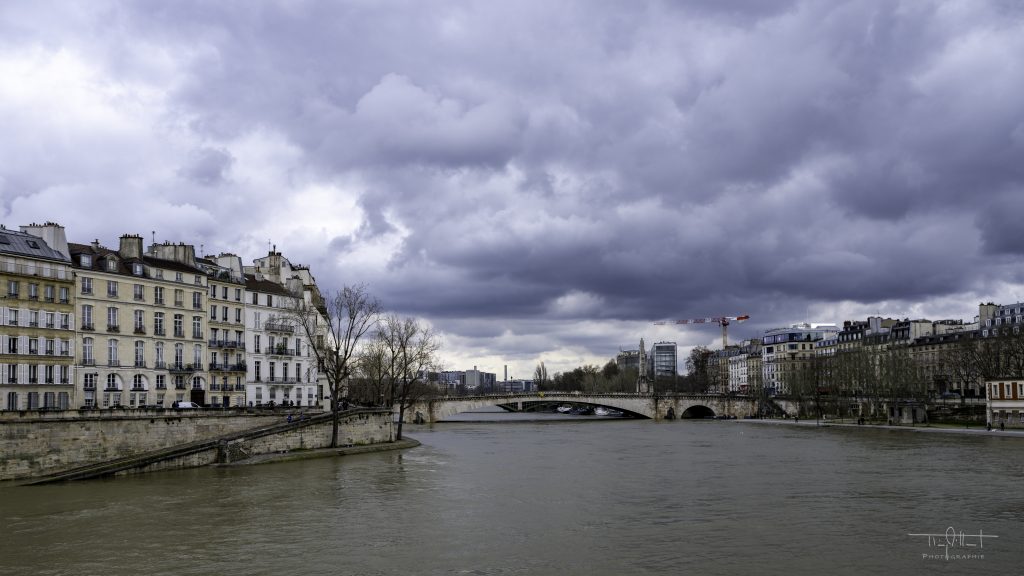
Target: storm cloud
x=538, y=180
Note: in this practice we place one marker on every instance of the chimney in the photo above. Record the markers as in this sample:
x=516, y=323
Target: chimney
x=51, y=233
x=131, y=247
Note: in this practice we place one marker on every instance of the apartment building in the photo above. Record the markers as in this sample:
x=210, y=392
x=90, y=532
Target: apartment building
x=37, y=330
x=226, y=329
x=141, y=324
x=785, y=350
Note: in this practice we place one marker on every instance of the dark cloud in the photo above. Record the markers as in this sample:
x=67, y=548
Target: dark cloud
x=540, y=177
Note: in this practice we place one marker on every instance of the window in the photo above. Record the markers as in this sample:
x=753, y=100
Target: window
x=112, y=353
x=138, y=382
x=65, y=347
x=140, y=322
x=213, y=290
x=48, y=293
x=64, y=294
x=197, y=356
x=224, y=313
x=159, y=348
x=256, y=341
x=197, y=326
x=197, y=300
x=112, y=323
x=238, y=294
x=224, y=292
x=89, y=383
x=112, y=288
x=179, y=354
x=270, y=301
x=238, y=315
x=255, y=298
x=158, y=294
x=199, y=280
x=179, y=298
x=271, y=371
x=179, y=326
x=64, y=374
x=33, y=346
x=158, y=323
x=140, y=354
x=256, y=370
x=86, y=285
x=12, y=345
x=12, y=317
x=139, y=292
x=50, y=320
x=112, y=382
x=85, y=260
x=213, y=312
x=178, y=277
x=87, y=356
x=33, y=318
x=33, y=291
x=111, y=265
x=161, y=382
x=49, y=346
x=12, y=288
x=137, y=269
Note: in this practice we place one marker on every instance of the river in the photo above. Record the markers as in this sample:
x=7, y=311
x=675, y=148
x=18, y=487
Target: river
x=553, y=497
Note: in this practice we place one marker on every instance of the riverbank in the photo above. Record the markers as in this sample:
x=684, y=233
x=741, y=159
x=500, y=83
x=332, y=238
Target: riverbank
x=294, y=455
x=941, y=429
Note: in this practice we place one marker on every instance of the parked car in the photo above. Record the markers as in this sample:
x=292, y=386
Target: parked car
x=185, y=405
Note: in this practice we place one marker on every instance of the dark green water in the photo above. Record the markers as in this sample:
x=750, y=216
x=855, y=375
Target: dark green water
x=610, y=497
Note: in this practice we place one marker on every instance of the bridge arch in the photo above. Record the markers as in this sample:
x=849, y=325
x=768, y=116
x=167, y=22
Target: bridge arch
x=697, y=411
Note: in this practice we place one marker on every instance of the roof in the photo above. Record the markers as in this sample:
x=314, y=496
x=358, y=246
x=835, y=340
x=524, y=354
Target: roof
x=124, y=264
x=19, y=243
x=264, y=286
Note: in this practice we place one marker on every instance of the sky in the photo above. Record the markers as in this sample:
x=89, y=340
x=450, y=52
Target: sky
x=536, y=180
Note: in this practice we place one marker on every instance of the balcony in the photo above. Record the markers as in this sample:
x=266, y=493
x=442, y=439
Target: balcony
x=88, y=361
x=140, y=363
x=48, y=299
x=140, y=330
x=179, y=333
x=279, y=351
x=88, y=326
x=179, y=303
x=85, y=290
x=160, y=365
x=12, y=380
x=65, y=301
x=33, y=324
x=140, y=298
x=182, y=368
x=113, y=363
x=158, y=301
x=113, y=328
x=278, y=327
x=67, y=326
x=50, y=325
x=159, y=332
x=87, y=386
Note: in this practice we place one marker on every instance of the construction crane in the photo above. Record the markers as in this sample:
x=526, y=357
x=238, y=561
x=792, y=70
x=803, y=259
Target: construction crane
x=723, y=321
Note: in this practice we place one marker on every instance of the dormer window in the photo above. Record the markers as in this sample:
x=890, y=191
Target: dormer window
x=86, y=260
x=111, y=265
x=137, y=269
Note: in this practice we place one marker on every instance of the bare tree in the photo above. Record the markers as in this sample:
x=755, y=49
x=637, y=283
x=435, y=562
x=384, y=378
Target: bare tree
x=334, y=326
x=540, y=376
x=407, y=352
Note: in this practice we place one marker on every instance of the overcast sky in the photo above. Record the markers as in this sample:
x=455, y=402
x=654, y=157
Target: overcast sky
x=542, y=180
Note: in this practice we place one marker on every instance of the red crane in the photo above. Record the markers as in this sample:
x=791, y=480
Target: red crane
x=723, y=321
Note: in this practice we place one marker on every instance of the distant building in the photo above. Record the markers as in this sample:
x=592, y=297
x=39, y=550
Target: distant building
x=664, y=360
x=784, y=350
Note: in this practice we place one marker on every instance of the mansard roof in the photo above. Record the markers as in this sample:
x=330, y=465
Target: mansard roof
x=17, y=243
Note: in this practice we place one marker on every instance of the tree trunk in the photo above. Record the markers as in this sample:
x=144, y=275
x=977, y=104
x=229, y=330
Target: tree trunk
x=401, y=419
x=336, y=418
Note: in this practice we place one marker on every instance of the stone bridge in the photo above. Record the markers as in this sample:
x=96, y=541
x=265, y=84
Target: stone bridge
x=667, y=407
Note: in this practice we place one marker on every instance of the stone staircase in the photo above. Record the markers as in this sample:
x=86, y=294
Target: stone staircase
x=142, y=460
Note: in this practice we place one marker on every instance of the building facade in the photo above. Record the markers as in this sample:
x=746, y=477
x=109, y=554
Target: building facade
x=37, y=337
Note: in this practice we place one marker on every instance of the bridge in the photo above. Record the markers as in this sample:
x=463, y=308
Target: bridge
x=666, y=407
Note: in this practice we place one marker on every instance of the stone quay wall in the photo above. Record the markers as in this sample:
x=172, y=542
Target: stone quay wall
x=37, y=443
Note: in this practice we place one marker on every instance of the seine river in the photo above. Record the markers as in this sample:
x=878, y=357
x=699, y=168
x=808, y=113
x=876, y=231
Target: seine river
x=553, y=497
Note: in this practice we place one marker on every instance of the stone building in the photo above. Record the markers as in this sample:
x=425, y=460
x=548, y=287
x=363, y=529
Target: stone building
x=37, y=331
x=141, y=324
x=282, y=367
x=226, y=329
